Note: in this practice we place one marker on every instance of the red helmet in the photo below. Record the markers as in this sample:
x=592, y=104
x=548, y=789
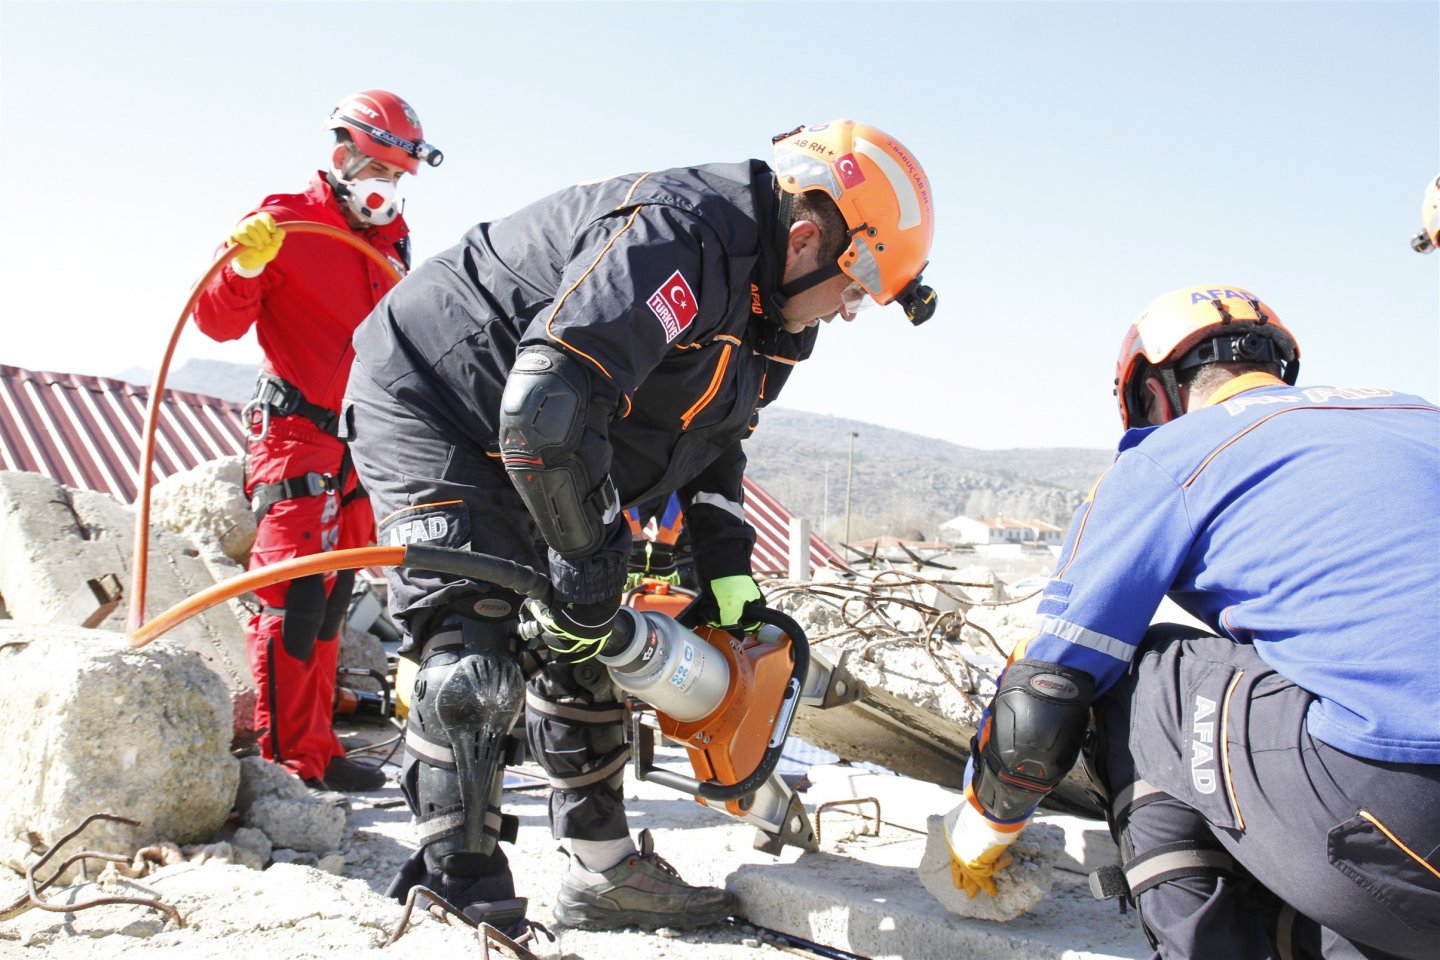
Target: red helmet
x=1195, y=325
x=384, y=128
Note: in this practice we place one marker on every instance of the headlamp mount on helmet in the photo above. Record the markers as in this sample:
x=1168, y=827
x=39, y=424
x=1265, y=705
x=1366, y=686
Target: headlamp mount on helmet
x=918, y=300
x=419, y=149
x=1193, y=326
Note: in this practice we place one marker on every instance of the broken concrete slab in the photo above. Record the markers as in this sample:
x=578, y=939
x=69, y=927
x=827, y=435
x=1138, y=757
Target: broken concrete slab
x=907, y=804
x=96, y=727
x=924, y=674
x=54, y=539
x=868, y=899
x=868, y=894
x=208, y=503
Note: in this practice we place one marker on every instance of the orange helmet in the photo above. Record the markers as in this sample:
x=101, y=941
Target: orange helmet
x=885, y=198
x=384, y=128
x=1429, y=237
x=1195, y=325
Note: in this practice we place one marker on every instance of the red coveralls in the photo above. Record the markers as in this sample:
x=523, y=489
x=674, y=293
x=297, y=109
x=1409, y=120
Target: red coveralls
x=305, y=305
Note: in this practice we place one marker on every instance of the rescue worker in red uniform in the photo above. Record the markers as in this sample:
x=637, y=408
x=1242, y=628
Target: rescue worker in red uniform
x=304, y=303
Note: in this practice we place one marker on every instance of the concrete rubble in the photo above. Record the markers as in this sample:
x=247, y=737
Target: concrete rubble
x=54, y=540
x=147, y=734
x=925, y=653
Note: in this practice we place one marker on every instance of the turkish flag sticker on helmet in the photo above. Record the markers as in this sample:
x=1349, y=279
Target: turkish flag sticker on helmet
x=674, y=305
x=849, y=168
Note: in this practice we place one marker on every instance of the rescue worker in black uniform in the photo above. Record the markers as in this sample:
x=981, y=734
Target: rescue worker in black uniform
x=606, y=345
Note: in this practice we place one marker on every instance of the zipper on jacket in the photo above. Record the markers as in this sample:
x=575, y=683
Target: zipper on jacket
x=710, y=391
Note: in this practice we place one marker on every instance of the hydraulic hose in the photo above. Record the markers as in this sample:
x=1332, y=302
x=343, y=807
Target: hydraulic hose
x=139, y=565
x=463, y=563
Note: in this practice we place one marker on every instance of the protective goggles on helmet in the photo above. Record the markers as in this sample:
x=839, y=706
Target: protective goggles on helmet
x=419, y=149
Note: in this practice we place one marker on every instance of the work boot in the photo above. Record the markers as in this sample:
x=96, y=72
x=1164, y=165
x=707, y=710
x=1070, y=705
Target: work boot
x=640, y=891
x=348, y=776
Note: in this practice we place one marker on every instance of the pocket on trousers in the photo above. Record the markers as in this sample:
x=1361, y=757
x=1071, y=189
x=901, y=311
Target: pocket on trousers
x=1395, y=877
x=1178, y=733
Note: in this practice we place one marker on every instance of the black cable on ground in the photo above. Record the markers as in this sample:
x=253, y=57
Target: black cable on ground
x=796, y=942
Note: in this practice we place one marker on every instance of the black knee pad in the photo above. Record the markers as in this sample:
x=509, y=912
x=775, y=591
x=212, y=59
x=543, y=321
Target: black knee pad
x=468, y=696
x=304, y=612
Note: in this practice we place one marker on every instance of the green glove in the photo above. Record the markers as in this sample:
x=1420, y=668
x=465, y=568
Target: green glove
x=260, y=237
x=731, y=594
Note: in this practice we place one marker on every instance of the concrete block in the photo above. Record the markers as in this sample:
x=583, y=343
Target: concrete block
x=908, y=804
x=93, y=726
x=868, y=898
x=54, y=539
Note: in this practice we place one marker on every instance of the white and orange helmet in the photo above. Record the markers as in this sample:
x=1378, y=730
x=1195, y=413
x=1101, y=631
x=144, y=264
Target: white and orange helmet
x=885, y=198
x=1195, y=325
x=1429, y=236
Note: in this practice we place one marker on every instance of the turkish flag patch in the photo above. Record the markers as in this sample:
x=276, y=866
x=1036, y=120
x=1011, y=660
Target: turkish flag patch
x=674, y=305
x=849, y=168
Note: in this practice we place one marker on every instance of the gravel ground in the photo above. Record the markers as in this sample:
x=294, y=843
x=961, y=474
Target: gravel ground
x=300, y=912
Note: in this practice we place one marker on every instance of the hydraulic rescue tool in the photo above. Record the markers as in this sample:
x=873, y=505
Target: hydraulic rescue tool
x=727, y=697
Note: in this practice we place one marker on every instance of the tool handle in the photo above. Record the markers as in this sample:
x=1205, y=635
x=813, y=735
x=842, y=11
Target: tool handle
x=714, y=789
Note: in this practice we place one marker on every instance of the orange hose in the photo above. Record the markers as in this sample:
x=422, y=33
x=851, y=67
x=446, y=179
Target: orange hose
x=139, y=564
x=242, y=583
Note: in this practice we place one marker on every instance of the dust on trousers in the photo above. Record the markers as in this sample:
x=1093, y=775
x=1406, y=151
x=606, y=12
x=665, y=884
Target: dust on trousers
x=1243, y=836
x=291, y=642
x=426, y=489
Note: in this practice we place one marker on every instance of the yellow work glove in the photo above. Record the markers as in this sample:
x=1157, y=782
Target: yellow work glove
x=260, y=236
x=979, y=847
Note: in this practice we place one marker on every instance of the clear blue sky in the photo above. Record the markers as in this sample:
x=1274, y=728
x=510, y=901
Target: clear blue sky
x=1085, y=158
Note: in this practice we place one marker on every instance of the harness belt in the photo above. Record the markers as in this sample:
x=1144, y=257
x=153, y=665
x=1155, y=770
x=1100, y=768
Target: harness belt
x=310, y=484
x=1169, y=861
x=276, y=397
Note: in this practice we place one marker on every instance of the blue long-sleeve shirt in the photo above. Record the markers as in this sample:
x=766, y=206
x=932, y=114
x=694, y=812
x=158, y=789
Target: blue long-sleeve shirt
x=1303, y=520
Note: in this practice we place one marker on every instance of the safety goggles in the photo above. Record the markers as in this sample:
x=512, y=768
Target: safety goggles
x=854, y=298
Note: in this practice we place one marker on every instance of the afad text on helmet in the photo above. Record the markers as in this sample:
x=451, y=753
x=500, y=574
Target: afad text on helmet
x=1226, y=293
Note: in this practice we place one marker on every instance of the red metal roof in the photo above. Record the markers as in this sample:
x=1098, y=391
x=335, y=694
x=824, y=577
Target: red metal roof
x=85, y=432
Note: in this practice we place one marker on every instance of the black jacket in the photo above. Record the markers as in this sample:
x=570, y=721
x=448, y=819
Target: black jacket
x=663, y=283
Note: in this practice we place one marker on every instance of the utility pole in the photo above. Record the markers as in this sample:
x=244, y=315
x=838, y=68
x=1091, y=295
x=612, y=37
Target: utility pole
x=825, y=527
x=849, y=486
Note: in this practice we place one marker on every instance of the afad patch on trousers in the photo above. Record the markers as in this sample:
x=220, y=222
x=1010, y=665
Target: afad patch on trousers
x=427, y=524
x=447, y=525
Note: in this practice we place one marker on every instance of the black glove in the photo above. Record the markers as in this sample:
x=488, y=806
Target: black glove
x=577, y=630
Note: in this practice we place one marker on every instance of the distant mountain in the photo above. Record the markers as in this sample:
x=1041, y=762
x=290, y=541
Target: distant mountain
x=214, y=378
x=906, y=484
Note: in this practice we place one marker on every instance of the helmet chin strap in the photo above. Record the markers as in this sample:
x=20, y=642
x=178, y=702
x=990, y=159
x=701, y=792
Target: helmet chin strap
x=813, y=278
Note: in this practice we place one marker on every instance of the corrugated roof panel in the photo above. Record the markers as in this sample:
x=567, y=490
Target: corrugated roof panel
x=85, y=432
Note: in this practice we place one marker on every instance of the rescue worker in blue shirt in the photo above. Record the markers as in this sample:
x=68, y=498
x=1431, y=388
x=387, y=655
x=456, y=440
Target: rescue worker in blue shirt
x=513, y=395
x=1273, y=782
